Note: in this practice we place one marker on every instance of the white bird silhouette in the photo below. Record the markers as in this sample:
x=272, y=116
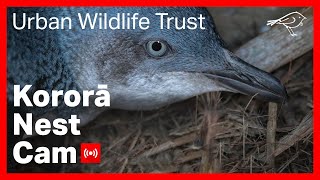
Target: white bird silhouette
x=290, y=21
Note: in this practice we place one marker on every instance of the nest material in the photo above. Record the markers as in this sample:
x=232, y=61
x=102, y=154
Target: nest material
x=211, y=133
x=214, y=132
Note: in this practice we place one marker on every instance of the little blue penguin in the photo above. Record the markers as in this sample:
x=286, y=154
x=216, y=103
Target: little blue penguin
x=144, y=69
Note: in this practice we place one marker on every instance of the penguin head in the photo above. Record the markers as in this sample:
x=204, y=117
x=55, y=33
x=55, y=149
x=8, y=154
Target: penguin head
x=148, y=69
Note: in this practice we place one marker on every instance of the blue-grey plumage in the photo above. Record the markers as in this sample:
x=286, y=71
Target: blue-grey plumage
x=144, y=69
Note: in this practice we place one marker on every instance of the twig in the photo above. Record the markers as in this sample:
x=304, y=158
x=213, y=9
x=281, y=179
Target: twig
x=209, y=160
x=303, y=130
x=189, y=157
x=276, y=47
x=170, y=144
x=271, y=134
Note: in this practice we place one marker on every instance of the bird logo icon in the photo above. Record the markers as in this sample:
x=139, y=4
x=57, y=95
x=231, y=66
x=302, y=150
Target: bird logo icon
x=290, y=21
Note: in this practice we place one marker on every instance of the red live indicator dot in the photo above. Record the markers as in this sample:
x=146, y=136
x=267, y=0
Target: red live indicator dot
x=90, y=153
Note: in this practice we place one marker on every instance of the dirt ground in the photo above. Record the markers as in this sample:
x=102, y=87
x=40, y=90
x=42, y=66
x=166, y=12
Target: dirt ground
x=214, y=132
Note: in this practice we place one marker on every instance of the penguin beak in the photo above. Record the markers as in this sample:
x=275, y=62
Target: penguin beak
x=239, y=76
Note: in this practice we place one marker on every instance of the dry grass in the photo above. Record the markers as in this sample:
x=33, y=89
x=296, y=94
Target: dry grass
x=214, y=132
x=211, y=133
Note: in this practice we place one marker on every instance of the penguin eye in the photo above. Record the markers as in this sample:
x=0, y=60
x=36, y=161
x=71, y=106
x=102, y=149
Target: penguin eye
x=156, y=48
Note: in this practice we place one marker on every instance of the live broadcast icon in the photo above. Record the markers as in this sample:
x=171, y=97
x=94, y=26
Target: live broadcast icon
x=90, y=153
